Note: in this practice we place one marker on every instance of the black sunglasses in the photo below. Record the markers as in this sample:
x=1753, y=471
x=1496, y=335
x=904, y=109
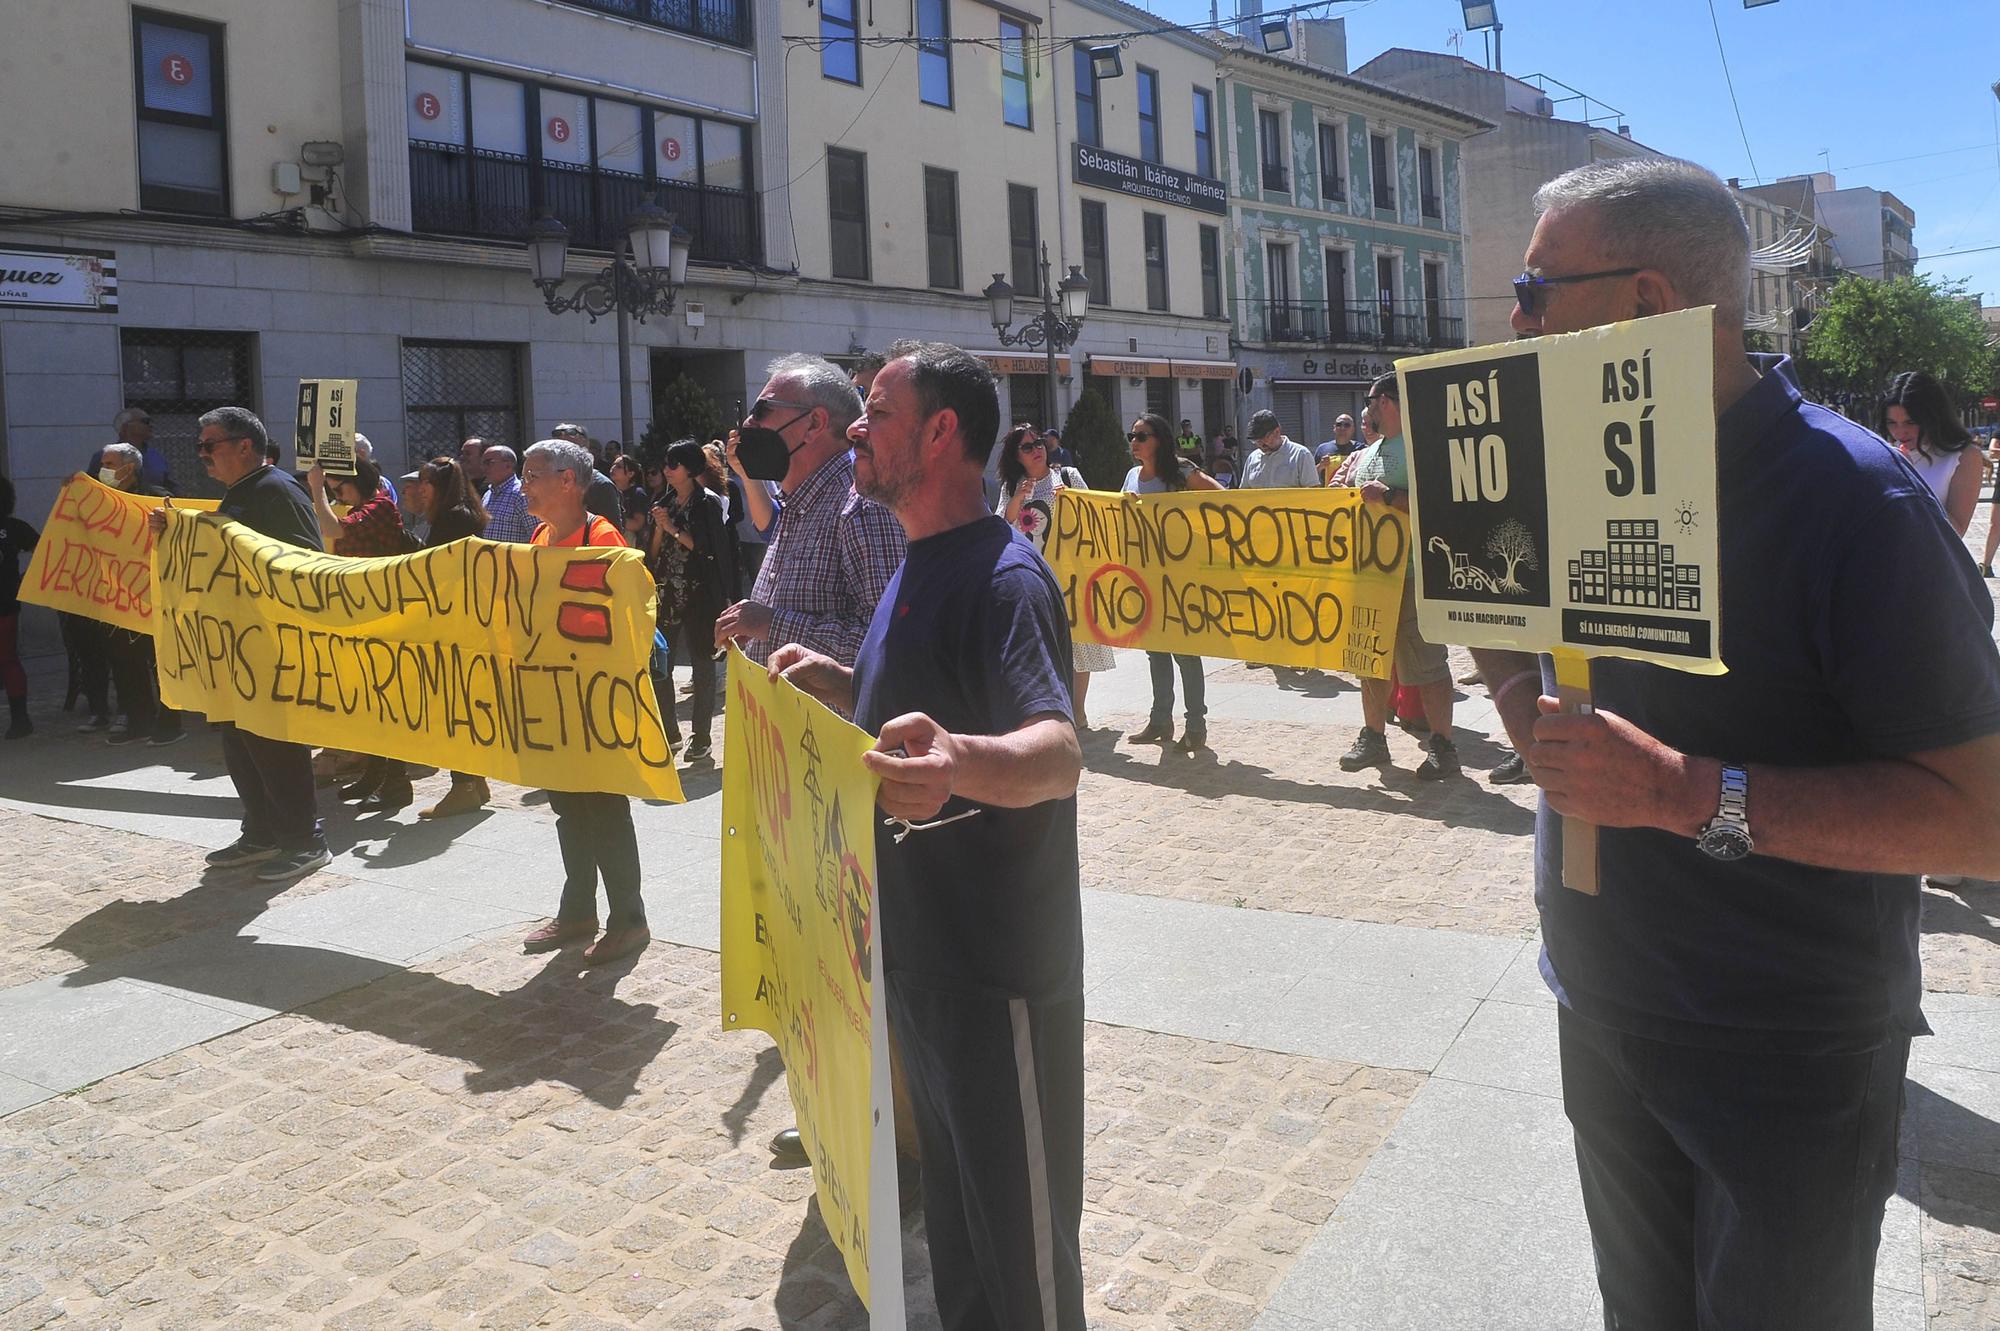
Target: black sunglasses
x=763, y=406
x=1136, y=435
x=1529, y=293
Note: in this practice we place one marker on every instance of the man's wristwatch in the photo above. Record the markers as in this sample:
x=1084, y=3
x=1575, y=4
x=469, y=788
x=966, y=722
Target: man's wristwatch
x=1727, y=835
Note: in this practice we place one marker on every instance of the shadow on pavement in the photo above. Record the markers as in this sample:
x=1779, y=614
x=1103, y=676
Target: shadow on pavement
x=560, y=1026
x=769, y=1067
x=1968, y=908
x=815, y=1276
x=1463, y=801
x=1947, y=1133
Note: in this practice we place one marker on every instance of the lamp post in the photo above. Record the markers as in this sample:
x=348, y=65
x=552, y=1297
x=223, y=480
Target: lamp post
x=644, y=277
x=1054, y=330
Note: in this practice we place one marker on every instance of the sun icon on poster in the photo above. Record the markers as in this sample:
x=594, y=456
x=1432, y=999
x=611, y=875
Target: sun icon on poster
x=1687, y=515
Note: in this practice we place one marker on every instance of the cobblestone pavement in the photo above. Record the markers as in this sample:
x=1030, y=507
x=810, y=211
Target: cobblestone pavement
x=497, y=1142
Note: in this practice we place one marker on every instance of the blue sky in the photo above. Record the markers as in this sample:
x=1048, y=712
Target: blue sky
x=1896, y=93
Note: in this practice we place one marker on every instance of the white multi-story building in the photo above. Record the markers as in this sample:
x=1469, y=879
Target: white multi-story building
x=340, y=188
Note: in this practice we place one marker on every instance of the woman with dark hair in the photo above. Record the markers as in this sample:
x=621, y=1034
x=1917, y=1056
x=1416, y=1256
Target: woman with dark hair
x=1029, y=484
x=633, y=501
x=16, y=539
x=1918, y=418
x=441, y=494
x=1161, y=470
x=694, y=568
x=372, y=527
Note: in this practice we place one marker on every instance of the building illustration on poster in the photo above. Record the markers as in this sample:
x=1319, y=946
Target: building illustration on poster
x=1634, y=568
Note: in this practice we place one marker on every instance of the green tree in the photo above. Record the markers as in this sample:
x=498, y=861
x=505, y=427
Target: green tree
x=1867, y=332
x=1093, y=436
x=681, y=410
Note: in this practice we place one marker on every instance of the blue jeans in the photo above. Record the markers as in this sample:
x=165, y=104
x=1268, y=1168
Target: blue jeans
x=1192, y=685
x=1731, y=1190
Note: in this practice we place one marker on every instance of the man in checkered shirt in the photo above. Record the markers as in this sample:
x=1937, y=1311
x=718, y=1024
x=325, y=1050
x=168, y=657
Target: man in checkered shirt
x=508, y=518
x=831, y=551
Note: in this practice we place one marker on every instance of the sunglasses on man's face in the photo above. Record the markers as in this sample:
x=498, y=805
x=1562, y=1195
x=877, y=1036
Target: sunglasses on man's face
x=210, y=445
x=1531, y=290
x=764, y=406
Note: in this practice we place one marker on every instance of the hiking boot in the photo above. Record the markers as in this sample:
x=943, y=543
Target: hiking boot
x=1513, y=770
x=1371, y=749
x=467, y=795
x=1442, y=761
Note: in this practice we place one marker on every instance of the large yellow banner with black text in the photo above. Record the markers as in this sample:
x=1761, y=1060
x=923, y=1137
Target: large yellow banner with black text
x=524, y=663
x=800, y=958
x=1298, y=577
x=95, y=557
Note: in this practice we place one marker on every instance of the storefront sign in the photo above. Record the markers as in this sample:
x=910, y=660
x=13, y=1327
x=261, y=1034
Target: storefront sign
x=1353, y=369
x=1148, y=180
x=1133, y=368
x=1013, y=362
x=58, y=279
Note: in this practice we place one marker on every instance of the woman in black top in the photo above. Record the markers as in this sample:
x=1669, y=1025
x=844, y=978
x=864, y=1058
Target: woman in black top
x=16, y=539
x=694, y=563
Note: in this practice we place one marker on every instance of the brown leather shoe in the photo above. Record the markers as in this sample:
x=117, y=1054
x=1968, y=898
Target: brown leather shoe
x=468, y=796
x=617, y=943
x=558, y=934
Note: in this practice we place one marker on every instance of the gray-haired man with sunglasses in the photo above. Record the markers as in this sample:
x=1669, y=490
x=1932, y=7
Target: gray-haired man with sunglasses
x=1735, y=1006
x=831, y=552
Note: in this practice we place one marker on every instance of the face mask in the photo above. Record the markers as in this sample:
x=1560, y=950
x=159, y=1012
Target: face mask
x=763, y=452
x=109, y=475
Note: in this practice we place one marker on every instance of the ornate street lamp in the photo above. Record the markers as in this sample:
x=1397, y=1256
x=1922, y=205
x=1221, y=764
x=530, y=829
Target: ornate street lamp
x=1054, y=330
x=644, y=277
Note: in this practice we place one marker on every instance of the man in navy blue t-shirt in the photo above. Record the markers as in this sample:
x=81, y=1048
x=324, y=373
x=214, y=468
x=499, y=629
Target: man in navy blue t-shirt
x=964, y=674
x=1737, y=1003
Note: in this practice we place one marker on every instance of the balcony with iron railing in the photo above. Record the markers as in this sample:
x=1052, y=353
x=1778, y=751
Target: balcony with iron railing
x=496, y=196
x=718, y=20
x=1355, y=323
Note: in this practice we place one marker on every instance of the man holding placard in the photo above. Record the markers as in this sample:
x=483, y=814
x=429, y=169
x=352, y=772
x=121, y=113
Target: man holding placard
x=964, y=674
x=1737, y=999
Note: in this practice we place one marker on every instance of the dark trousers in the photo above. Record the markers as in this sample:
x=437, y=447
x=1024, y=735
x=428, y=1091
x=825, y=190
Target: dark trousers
x=698, y=640
x=596, y=836
x=1193, y=686
x=139, y=684
x=997, y=1088
x=274, y=780
x=1732, y=1190
x=88, y=642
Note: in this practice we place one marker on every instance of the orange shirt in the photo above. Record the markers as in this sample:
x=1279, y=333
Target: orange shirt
x=599, y=531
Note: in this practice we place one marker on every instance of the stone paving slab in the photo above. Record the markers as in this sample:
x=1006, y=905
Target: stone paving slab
x=496, y=1141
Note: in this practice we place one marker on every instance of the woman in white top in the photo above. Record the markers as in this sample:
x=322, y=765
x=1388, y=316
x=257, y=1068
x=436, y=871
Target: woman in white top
x=1918, y=418
x=1028, y=490
x=1161, y=469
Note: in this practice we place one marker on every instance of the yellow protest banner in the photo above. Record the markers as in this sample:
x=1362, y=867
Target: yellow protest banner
x=800, y=958
x=518, y=662
x=1307, y=577
x=95, y=555
x=1563, y=492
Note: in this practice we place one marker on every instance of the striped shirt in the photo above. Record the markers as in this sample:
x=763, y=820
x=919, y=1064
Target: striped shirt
x=507, y=508
x=831, y=555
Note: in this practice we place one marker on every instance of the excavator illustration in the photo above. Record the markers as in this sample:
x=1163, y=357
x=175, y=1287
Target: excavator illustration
x=1464, y=573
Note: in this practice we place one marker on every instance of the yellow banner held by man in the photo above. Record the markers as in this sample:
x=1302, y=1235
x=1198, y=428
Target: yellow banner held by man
x=95, y=557
x=1300, y=577
x=800, y=954
x=518, y=662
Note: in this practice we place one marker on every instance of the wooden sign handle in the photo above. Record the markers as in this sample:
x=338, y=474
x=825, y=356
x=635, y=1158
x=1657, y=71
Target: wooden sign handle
x=1579, y=837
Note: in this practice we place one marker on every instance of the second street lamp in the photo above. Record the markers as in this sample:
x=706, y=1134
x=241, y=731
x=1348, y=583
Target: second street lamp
x=1054, y=330
x=644, y=277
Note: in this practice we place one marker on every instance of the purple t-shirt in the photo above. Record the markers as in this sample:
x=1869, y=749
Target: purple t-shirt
x=971, y=631
x=1855, y=627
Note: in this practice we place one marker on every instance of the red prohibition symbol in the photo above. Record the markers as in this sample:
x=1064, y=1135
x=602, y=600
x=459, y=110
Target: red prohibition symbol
x=1139, y=615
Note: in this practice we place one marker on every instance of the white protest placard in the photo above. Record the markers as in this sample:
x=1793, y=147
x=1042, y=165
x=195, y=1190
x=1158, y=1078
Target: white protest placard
x=326, y=425
x=1563, y=492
